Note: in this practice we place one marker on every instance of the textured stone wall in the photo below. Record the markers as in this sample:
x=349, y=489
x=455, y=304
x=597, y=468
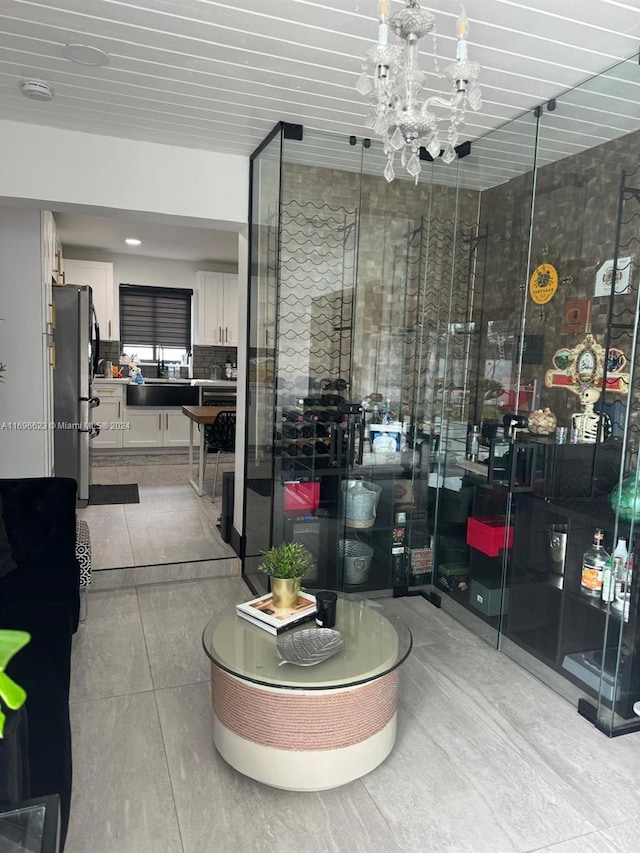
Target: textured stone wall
x=399, y=275
x=206, y=358
x=574, y=227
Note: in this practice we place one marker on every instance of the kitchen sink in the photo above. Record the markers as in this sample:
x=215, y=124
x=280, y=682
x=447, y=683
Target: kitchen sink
x=163, y=394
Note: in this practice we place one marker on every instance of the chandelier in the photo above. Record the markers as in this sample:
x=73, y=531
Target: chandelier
x=402, y=110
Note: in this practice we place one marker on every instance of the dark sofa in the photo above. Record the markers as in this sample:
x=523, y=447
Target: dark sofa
x=41, y=596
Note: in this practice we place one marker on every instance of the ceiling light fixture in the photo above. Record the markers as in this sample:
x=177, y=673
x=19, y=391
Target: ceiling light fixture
x=37, y=90
x=84, y=54
x=133, y=241
x=401, y=107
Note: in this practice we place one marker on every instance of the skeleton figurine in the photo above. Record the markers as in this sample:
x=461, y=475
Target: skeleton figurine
x=586, y=422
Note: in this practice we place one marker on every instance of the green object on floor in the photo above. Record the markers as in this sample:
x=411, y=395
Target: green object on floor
x=11, y=693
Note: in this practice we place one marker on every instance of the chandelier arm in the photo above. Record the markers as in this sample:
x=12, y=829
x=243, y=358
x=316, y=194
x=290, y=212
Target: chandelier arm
x=441, y=102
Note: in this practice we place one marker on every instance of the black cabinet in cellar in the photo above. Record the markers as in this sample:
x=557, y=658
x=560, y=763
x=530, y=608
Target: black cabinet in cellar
x=521, y=573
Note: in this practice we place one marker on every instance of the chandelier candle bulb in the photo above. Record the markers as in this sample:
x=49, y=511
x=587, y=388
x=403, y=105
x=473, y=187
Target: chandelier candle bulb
x=383, y=26
x=463, y=32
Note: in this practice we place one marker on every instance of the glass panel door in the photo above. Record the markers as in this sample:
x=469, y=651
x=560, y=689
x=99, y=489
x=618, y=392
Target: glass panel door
x=585, y=227
x=386, y=543
x=480, y=392
x=261, y=362
x=318, y=235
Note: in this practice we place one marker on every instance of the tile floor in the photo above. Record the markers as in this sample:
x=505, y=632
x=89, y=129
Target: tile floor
x=488, y=759
x=171, y=524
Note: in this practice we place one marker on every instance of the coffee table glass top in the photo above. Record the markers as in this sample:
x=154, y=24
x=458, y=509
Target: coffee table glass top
x=21, y=829
x=375, y=643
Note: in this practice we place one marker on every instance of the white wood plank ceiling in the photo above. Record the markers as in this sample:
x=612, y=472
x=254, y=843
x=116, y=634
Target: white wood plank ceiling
x=219, y=75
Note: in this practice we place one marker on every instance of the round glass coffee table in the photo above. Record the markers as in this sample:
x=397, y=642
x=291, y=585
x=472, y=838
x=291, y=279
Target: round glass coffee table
x=307, y=728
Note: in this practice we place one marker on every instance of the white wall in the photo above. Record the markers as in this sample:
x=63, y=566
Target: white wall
x=22, y=394
x=58, y=167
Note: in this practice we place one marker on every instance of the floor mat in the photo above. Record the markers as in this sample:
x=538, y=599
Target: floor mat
x=126, y=493
x=98, y=461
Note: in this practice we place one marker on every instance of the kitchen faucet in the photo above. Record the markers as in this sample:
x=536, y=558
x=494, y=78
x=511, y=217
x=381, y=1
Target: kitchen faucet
x=160, y=367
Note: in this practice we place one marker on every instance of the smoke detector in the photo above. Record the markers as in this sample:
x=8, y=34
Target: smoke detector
x=37, y=90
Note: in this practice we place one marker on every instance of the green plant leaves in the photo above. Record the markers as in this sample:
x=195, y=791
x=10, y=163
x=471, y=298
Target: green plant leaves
x=11, y=693
x=10, y=643
x=287, y=560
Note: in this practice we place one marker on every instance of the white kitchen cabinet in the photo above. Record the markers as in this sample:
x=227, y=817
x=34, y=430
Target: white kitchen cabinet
x=217, y=309
x=99, y=276
x=51, y=257
x=150, y=427
x=176, y=429
x=145, y=427
x=110, y=414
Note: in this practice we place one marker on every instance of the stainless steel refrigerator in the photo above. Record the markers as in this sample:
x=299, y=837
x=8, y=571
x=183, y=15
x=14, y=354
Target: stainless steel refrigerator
x=77, y=350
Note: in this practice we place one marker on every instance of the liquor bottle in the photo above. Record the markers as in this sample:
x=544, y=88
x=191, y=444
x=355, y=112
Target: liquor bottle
x=608, y=592
x=623, y=571
x=473, y=443
x=593, y=562
x=621, y=550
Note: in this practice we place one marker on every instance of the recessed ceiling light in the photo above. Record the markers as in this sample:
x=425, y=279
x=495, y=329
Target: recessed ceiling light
x=84, y=54
x=37, y=90
x=132, y=241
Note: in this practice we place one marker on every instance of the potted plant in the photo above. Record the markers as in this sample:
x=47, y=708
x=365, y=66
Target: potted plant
x=286, y=565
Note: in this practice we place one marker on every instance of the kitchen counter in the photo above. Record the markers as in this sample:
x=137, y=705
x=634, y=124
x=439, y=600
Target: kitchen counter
x=210, y=383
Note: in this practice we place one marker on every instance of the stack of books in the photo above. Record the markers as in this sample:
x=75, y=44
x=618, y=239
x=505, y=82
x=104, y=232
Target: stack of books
x=262, y=613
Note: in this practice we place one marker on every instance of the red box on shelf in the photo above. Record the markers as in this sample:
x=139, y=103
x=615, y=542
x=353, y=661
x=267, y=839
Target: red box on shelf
x=301, y=497
x=486, y=533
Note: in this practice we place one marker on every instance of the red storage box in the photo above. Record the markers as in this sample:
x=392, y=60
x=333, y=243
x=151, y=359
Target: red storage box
x=301, y=497
x=486, y=534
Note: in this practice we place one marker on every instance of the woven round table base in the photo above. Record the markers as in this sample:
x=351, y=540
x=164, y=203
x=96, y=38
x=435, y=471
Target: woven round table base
x=303, y=740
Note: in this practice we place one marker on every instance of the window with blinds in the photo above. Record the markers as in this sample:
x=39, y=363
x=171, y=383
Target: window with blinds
x=155, y=317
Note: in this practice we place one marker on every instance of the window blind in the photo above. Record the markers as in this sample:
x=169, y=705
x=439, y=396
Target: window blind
x=155, y=316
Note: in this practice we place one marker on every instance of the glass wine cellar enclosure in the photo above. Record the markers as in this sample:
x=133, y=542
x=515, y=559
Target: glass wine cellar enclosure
x=442, y=395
